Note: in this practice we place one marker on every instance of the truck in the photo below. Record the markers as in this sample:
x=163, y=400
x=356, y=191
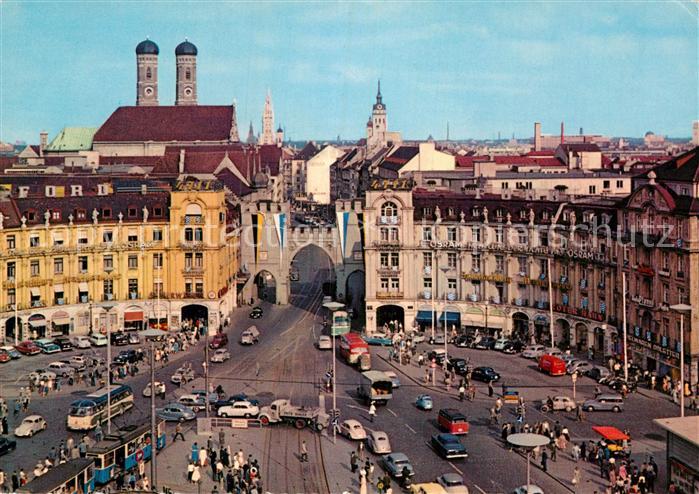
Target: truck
x=282, y=411
x=250, y=336
x=375, y=386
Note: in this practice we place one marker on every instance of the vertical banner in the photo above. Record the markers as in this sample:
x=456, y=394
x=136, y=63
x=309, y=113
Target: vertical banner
x=258, y=222
x=342, y=222
x=280, y=225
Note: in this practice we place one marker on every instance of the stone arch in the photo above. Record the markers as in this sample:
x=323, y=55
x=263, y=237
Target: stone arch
x=193, y=209
x=196, y=312
x=561, y=332
x=11, y=331
x=354, y=293
x=581, y=336
x=387, y=313
x=520, y=325
x=385, y=197
x=266, y=286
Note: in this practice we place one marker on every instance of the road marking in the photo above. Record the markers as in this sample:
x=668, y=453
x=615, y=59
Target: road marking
x=460, y=472
x=408, y=426
x=355, y=407
x=391, y=412
x=476, y=486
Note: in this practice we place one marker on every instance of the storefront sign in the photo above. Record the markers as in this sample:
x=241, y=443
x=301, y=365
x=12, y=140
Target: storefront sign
x=391, y=184
x=522, y=249
x=499, y=278
x=654, y=347
x=445, y=244
x=642, y=301
x=574, y=311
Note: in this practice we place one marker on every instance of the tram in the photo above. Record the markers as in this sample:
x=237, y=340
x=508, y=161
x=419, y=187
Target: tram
x=72, y=477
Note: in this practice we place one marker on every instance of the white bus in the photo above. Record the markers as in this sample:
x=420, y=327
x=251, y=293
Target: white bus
x=86, y=413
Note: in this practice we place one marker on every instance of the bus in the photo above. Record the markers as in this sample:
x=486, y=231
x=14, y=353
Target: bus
x=124, y=449
x=86, y=413
x=340, y=323
x=72, y=477
x=355, y=350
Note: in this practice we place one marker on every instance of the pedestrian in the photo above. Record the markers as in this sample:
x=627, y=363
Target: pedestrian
x=544, y=460
x=304, y=451
x=354, y=460
x=178, y=432
x=360, y=450
x=190, y=471
x=203, y=456
x=576, y=476
x=195, y=452
x=462, y=392
x=257, y=369
x=490, y=389
x=221, y=438
x=372, y=411
x=196, y=474
x=98, y=433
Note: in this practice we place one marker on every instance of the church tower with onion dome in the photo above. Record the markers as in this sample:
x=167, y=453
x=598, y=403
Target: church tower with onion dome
x=147, y=73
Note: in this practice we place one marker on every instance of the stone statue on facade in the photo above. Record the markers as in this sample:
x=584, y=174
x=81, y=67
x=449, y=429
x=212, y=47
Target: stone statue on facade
x=437, y=214
x=572, y=218
x=2, y=221
x=145, y=214
x=462, y=216
x=95, y=214
x=24, y=222
x=120, y=216
x=531, y=217
x=485, y=215
x=47, y=217
x=509, y=218
x=70, y=220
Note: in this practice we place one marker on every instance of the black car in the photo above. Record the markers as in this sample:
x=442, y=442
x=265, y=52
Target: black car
x=64, y=343
x=457, y=365
x=485, y=374
x=256, y=313
x=7, y=445
x=127, y=357
x=513, y=346
x=438, y=357
x=120, y=339
x=486, y=343
x=233, y=398
x=617, y=383
x=448, y=446
x=462, y=341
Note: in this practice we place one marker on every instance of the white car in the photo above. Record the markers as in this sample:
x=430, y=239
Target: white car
x=500, y=344
x=453, y=483
x=581, y=367
x=220, y=355
x=352, y=429
x=533, y=351
x=98, y=340
x=378, y=443
x=78, y=360
x=194, y=402
x=558, y=403
x=40, y=374
x=324, y=343
x=61, y=369
x=181, y=375
x=159, y=389
x=243, y=409
x=530, y=489
x=81, y=342
x=556, y=352
x=417, y=337
x=30, y=426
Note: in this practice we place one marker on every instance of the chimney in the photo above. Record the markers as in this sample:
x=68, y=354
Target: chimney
x=43, y=141
x=562, y=134
x=181, y=162
x=537, y=136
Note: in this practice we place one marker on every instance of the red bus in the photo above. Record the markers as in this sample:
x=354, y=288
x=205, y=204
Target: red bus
x=452, y=421
x=352, y=347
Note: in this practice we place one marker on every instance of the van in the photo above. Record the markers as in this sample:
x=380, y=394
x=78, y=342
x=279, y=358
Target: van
x=452, y=421
x=250, y=336
x=604, y=403
x=352, y=347
x=551, y=365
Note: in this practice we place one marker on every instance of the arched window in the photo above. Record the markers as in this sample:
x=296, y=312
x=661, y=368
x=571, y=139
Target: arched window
x=148, y=73
x=193, y=209
x=389, y=209
x=187, y=74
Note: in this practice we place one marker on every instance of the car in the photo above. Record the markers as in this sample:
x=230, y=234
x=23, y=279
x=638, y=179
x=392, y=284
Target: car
x=324, y=343
x=175, y=412
x=453, y=483
x=485, y=374
x=30, y=426
x=581, y=366
x=424, y=402
x=437, y=339
x=604, y=403
x=195, y=402
x=618, y=383
x=438, y=355
x=119, y=338
x=568, y=358
x=556, y=352
x=243, y=397
x=61, y=369
x=417, y=337
x=533, y=351
x=42, y=374
x=598, y=373
x=81, y=342
x=378, y=338
x=250, y=336
x=78, y=361
x=134, y=338
x=448, y=446
x=47, y=345
x=353, y=430
x=11, y=351
x=7, y=445
x=457, y=365
x=256, y=313
x=512, y=347
x=528, y=489
x=500, y=344
x=27, y=347
x=378, y=443
x=127, y=357
x=213, y=397
x=243, y=409
x=462, y=341
x=220, y=340
x=395, y=463
x=394, y=378
x=4, y=357
x=159, y=389
x=220, y=355
x=97, y=339
x=485, y=343
x=182, y=375
x=64, y=343
x=452, y=421
x=558, y=403
x=426, y=488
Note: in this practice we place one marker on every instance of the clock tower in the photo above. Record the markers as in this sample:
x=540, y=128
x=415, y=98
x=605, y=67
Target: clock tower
x=147, y=73
x=378, y=125
x=186, y=60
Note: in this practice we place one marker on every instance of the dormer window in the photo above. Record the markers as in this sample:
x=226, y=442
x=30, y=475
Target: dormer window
x=522, y=214
x=106, y=213
x=56, y=215
x=426, y=212
x=132, y=212
x=30, y=215
x=22, y=191
x=80, y=214
x=545, y=214
x=450, y=212
x=475, y=211
x=158, y=212
x=149, y=74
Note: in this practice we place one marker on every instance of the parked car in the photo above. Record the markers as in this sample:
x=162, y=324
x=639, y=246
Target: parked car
x=243, y=397
x=256, y=313
x=558, y=403
x=486, y=343
x=64, y=343
x=453, y=483
x=61, y=369
x=220, y=355
x=394, y=464
x=512, y=347
x=42, y=374
x=159, y=389
x=182, y=375
x=30, y=426
x=175, y=412
x=438, y=355
x=194, y=402
x=528, y=489
x=485, y=374
x=438, y=339
x=598, y=373
x=462, y=341
x=556, y=352
x=243, y=409
x=394, y=378
x=618, y=383
x=324, y=343
x=220, y=340
x=552, y=365
x=119, y=338
x=604, y=403
x=352, y=429
x=127, y=356
x=28, y=347
x=378, y=338
x=78, y=361
x=424, y=402
x=457, y=365
x=7, y=445
x=81, y=342
x=11, y=351
x=500, y=344
x=134, y=338
x=98, y=339
x=4, y=356
x=448, y=446
x=581, y=367
x=378, y=443
x=533, y=351
x=417, y=337
x=47, y=345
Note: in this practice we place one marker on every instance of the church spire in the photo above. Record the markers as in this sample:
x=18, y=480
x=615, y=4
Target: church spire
x=378, y=94
x=233, y=135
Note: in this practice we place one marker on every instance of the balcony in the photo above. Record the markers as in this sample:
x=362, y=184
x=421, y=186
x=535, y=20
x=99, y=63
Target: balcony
x=425, y=295
x=38, y=303
x=59, y=301
x=108, y=297
x=192, y=220
x=134, y=295
x=520, y=302
x=664, y=272
x=193, y=270
x=646, y=270
x=389, y=295
x=388, y=220
x=427, y=270
x=192, y=245
x=191, y=295
x=83, y=299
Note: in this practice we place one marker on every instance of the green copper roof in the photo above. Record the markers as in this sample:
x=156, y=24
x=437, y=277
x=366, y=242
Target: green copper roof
x=73, y=139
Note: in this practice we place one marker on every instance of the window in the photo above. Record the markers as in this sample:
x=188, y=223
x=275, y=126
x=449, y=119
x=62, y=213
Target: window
x=427, y=233
x=198, y=234
x=592, y=189
x=50, y=191
x=545, y=214
x=666, y=261
x=132, y=212
x=605, y=184
x=82, y=238
x=188, y=256
x=476, y=233
x=199, y=259
x=158, y=212
x=56, y=215
x=108, y=288
x=427, y=259
x=34, y=268
x=395, y=284
x=498, y=234
x=133, y=261
x=500, y=213
x=452, y=234
x=133, y=238
x=188, y=74
x=426, y=212
x=543, y=268
x=108, y=263
x=11, y=270
x=82, y=264
x=475, y=263
x=680, y=265
x=522, y=266
x=499, y=264
x=199, y=287
x=157, y=235
x=451, y=284
x=11, y=242
x=157, y=287
x=58, y=265
x=389, y=209
x=107, y=237
x=148, y=73
x=30, y=215
x=523, y=236
x=188, y=234
x=384, y=284
x=133, y=288
x=619, y=184
x=666, y=293
x=681, y=296
x=544, y=238
x=11, y=296
x=427, y=283
x=451, y=260
x=158, y=260
x=34, y=241
x=504, y=185
x=106, y=213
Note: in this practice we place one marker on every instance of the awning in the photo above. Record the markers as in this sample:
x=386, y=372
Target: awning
x=425, y=316
x=35, y=291
x=38, y=323
x=133, y=316
x=58, y=288
x=610, y=433
x=82, y=287
x=451, y=317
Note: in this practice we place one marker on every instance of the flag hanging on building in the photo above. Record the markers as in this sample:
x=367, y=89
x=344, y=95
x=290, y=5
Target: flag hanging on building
x=258, y=222
x=280, y=224
x=342, y=223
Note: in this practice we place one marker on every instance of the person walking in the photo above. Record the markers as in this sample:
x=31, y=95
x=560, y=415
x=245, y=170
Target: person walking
x=544, y=460
x=354, y=462
x=196, y=475
x=221, y=438
x=372, y=411
x=99, y=435
x=462, y=392
x=195, y=452
x=490, y=389
x=304, y=452
x=178, y=432
x=190, y=471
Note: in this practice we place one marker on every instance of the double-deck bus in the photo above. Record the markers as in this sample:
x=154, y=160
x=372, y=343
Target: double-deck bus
x=123, y=449
x=91, y=410
x=72, y=477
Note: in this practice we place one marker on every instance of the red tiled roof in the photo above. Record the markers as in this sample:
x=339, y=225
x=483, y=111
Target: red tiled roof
x=166, y=123
x=527, y=161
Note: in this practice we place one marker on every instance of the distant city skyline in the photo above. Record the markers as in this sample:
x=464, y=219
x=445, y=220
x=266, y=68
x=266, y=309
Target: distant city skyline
x=621, y=69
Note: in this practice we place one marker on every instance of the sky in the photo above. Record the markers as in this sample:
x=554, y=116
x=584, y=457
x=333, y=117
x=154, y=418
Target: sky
x=614, y=68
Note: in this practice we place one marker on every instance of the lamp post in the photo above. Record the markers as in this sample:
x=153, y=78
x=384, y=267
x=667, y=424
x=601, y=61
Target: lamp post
x=444, y=270
x=682, y=309
x=151, y=335
x=332, y=307
x=108, y=308
x=528, y=442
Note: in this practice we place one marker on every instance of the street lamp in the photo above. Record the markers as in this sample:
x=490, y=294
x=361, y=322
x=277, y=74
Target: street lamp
x=108, y=308
x=445, y=269
x=332, y=307
x=151, y=335
x=682, y=309
x=528, y=442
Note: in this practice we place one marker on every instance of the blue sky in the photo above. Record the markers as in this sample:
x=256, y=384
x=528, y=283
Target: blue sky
x=611, y=67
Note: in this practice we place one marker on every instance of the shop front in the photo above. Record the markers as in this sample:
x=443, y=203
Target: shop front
x=133, y=319
x=37, y=326
x=60, y=323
